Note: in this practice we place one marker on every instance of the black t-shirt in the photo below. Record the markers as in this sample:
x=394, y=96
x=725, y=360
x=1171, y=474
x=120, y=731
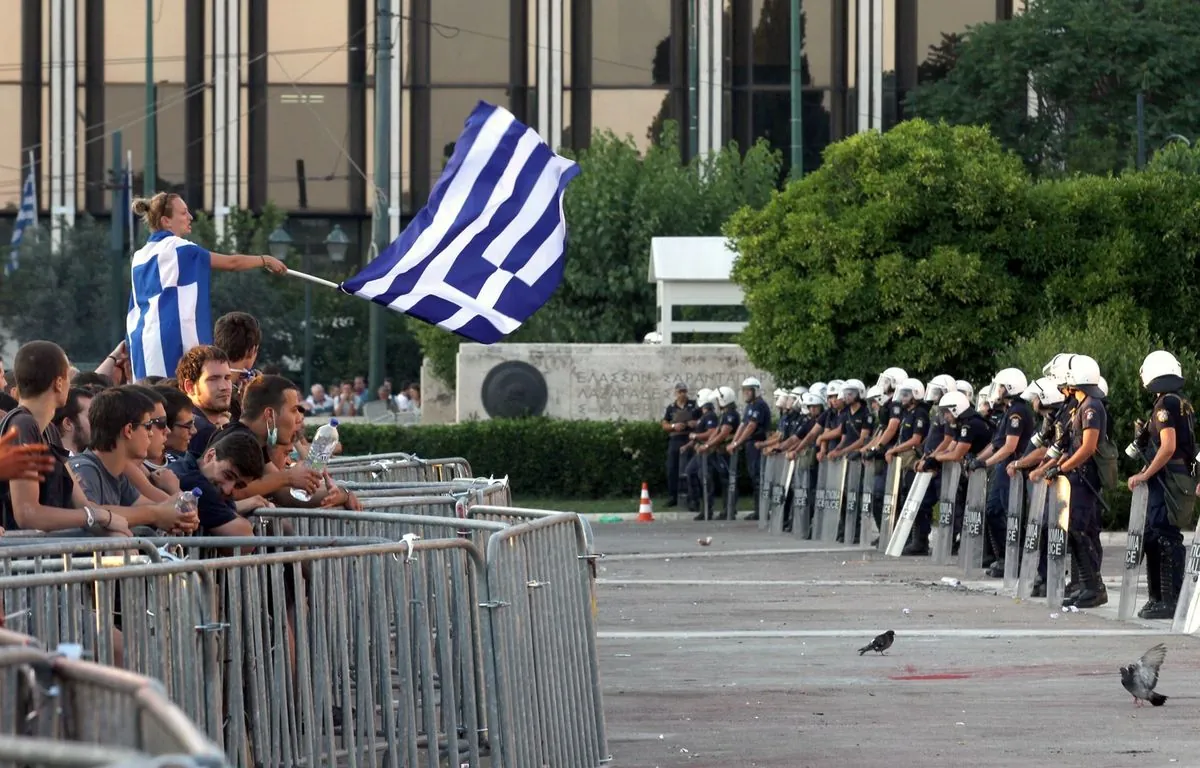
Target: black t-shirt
x=204, y=432
x=229, y=429
x=892, y=410
x=1018, y=421
x=854, y=423
x=677, y=414
x=915, y=422
x=1172, y=411
x=974, y=430
x=57, y=489
x=213, y=508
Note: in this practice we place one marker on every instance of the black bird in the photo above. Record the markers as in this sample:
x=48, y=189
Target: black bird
x=881, y=643
x=1140, y=677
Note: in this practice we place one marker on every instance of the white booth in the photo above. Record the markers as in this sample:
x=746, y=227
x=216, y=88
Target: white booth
x=691, y=272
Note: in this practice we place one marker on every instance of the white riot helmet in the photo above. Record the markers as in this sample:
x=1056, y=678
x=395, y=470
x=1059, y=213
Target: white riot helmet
x=834, y=388
x=704, y=397
x=875, y=393
x=909, y=389
x=725, y=396
x=956, y=403
x=938, y=386
x=812, y=400
x=751, y=383
x=1013, y=382
x=964, y=386
x=781, y=398
x=984, y=398
x=1159, y=363
x=818, y=389
x=1056, y=369
x=856, y=386
x=1082, y=371
x=1102, y=385
x=798, y=391
x=891, y=378
x=1034, y=389
x=1047, y=392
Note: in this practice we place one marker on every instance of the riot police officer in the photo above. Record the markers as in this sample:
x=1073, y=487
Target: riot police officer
x=680, y=418
x=1170, y=475
x=727, y=426
x=938, y=438
x=705, y=428
x=756, y=422
x=972, y=434
x=1012, y=438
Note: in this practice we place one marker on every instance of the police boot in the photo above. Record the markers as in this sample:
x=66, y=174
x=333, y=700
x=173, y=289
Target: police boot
x=1170, y=580
x=1074, y=584
x=1153, y=581
x=918, y=545
x=1093, y=593
x=997, y=568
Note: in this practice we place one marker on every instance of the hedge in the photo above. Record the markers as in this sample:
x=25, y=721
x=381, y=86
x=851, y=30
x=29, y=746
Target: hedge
x=543, y=458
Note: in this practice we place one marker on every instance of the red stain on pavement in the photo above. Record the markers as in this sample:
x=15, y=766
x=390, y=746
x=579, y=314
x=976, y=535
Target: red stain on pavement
x=944, y=676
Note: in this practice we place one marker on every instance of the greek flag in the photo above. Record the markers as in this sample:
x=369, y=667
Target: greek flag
x=26, y=216
x=486, y=251
x=169, y=310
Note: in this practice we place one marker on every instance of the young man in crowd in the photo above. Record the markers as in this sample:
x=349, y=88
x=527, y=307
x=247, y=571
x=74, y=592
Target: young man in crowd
x=181, y=422
x=71, y=421
x=231, y=463
x=150, y=476
x=238, y=335
x=205, y=376
x=121, y=420
x=54, y=503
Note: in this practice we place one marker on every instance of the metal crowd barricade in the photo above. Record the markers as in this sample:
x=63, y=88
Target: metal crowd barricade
x=63, y=712
x=392, y=468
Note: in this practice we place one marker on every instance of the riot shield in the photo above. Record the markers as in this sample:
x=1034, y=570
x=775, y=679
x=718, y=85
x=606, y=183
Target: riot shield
x=970, y=552
x=891, y=497
x=867, y=526
x=1031, y=549
x=1187, y=610
x=1133, y=552
x=802, y=499
x=731, y=488
x=944, y=545
x=1057, y=522
x=766, y=483
x=835, y=483
x=779, y=508
x=818, y=515
x=705, y=489
x=908, y=514
x=1012, y=531
x=854, y=473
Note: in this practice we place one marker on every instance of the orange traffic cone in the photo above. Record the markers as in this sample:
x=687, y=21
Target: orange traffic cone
x=645, y=510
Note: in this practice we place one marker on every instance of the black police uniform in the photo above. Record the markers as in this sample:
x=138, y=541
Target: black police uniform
x=759, y=412
x=708, y=420
x=973, y=429
x=1083, y=531
x=914, y=423
x=924, y=522
x=1018, y=420
x=728, y=417
x=678, y=414
x=1170, y=504
x=891, y=411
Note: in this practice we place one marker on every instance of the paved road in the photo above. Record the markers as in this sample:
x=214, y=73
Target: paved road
x=743, y=653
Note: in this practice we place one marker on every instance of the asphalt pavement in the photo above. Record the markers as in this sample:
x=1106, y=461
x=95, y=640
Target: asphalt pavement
x=744, y=653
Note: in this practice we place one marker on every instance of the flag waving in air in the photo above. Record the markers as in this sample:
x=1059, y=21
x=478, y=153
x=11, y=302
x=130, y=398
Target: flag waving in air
x=487, y=250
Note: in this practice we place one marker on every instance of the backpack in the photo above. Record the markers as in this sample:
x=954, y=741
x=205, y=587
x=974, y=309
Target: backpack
x=1106, y=462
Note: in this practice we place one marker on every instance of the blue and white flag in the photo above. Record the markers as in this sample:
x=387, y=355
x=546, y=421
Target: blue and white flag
x=169, y=306
x=487, y=250
x=26, y=216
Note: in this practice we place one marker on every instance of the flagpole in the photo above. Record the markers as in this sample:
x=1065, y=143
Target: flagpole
x=313, y=279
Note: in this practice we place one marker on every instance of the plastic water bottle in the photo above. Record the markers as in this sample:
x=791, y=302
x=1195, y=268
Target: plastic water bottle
x=186, y=503
x=319, y=453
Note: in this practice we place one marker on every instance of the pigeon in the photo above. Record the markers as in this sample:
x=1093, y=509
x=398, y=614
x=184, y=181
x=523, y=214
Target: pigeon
x=1140, y=677
x=881, y=643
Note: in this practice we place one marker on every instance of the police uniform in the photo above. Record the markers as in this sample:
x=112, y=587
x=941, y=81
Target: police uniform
x=853, y=423
x=759, y=412
x=728, y=417
x=924, y=522
x=890, y=411
x=975, y=430
x=1170, y=504
x=1017, y=421
x=708, y=420
x=678, y=414
x=1083, y=529
x=914, y=423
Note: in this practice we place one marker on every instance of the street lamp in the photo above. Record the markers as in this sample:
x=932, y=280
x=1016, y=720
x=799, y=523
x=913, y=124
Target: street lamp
x=279, y=243
x=336, y=244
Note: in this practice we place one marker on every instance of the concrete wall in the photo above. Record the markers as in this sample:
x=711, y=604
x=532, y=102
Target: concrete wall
x=437, y=401
x=606, y=381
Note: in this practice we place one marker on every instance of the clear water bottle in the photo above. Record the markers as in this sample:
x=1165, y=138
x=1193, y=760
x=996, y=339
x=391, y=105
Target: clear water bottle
x=186, y=503
x=319, y=453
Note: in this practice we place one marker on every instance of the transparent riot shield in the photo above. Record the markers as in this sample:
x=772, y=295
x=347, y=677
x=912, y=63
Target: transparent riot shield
x=1031, y=549
x=766, y=482
x=891, y=498
x=854, y=474
x=1012, y=531
x=802, y=514
x=1057, y=519
x=908, y=513
x=970, y=552
x=705, y=487
x=818, y=515
x=731, y=488
x=779, y=507
x=943, y=547
x=1187, y=610
x=867, y=526
x=1133, y=552
x=835, y=483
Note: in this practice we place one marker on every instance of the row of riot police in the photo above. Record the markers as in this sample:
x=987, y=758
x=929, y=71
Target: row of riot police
x=1016, y=472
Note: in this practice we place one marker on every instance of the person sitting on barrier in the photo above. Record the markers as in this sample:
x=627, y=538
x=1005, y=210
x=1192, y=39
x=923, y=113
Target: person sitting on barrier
x=272, y=415
x=71, y=421
x=53, y=504
x=204, y=376
x=122, y=424
x=228, y=465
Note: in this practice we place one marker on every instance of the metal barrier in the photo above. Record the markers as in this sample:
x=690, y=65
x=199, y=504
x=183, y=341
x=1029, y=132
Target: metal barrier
x=393, y=468
x=63, y=712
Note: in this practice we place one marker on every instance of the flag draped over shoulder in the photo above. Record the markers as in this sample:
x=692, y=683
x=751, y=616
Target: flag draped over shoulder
x=487, y=250
x=169, y=307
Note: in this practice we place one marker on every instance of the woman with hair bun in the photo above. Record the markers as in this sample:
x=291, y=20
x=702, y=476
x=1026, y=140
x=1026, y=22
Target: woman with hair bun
x=169, y=307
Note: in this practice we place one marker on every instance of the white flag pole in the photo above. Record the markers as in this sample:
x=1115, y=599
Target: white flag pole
x=312, y=279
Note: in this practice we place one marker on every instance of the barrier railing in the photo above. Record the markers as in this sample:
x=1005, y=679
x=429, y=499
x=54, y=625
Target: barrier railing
x=391, y=468
x=63, y=712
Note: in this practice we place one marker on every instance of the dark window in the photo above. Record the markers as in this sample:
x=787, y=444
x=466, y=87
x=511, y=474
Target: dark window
x=771, y=119
x=627, y=36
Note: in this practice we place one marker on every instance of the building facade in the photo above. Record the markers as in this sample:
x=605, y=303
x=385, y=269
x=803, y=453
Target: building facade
x=258, y=101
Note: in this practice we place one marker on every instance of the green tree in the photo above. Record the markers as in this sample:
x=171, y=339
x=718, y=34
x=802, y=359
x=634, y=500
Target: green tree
x=619, y=201
x=897, y=251
x=1088, y=60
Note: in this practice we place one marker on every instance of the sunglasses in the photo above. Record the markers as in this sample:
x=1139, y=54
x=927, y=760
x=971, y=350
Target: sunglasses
x=186, y=426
